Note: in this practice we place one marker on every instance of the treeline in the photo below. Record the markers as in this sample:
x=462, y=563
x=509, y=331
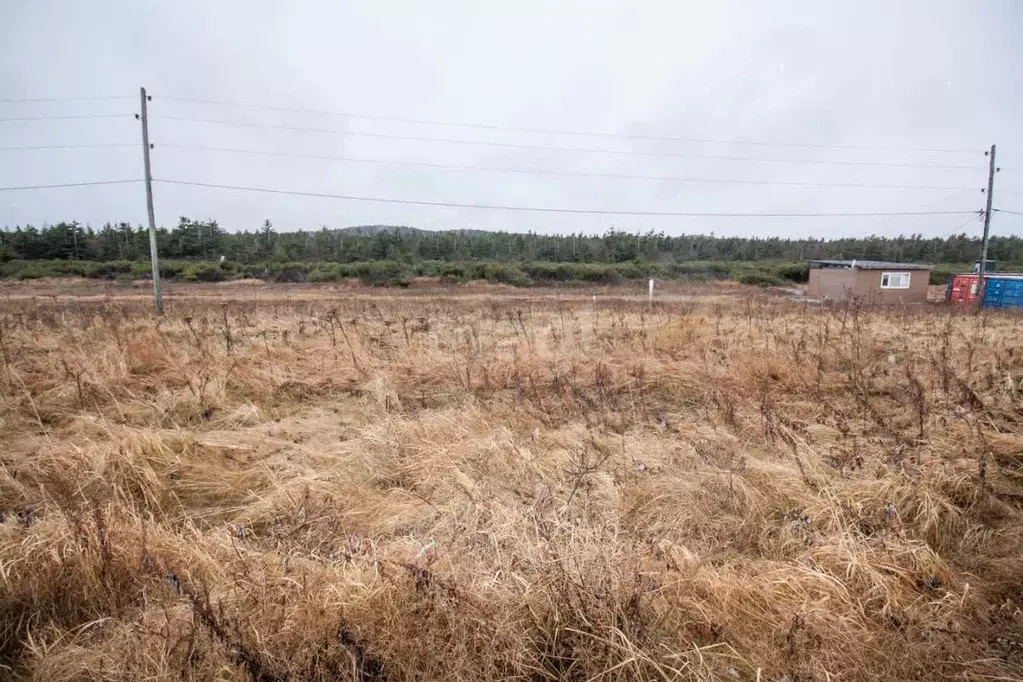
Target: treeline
x=206, y=240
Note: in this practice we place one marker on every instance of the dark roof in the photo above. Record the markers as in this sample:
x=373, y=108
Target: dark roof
x=866, y=265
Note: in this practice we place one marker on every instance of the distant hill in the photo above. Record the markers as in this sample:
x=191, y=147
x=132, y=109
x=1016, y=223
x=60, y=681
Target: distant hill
x=373, y=230
x=401, y=230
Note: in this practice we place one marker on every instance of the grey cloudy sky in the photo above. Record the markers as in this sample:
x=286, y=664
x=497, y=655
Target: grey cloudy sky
x=930, y=74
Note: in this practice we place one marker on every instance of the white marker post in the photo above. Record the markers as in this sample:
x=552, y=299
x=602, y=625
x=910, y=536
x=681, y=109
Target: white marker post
x=651, y=292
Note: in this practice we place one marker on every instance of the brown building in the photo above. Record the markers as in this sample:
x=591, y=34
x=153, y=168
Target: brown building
x=868, y=281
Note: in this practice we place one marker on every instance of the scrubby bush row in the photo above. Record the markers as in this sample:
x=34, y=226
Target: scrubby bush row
x=397, y=273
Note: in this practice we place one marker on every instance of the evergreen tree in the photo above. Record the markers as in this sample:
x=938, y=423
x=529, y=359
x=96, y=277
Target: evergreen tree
x=267, y=240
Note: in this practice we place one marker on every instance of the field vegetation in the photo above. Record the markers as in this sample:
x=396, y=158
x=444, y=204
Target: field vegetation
x=326, y=484
x=402, y=273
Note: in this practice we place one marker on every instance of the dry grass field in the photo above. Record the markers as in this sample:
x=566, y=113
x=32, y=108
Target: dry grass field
x=472, y=484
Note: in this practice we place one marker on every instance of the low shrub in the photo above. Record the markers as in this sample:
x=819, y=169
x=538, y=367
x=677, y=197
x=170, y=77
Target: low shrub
x=288, y=272
x=703, y=269
x=756, y=277
x=327, y=272
x=792, y=272
x=39, y=270
x=109, y=269
x=382, y=273
x=590, y=273
x=204, y=272
x=500, y=273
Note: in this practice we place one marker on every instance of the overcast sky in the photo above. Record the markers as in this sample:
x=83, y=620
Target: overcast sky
x=931, y=74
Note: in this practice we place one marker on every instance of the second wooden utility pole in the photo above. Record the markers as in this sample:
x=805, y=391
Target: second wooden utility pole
x=157, y=294
x=981, y=269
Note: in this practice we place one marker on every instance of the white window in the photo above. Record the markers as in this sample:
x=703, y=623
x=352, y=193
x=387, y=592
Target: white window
x=894, y=280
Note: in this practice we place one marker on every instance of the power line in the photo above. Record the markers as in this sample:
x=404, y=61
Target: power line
x=545, y=209
x=971, y=220
x=529, y=171
x=62, y=99
x=103, y=145
x=69, y=184
x=553, y=131
x=512, y=145
x=1002, y=210
x=60, y=118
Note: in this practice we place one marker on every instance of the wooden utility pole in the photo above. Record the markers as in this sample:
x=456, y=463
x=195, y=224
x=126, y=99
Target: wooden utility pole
x=987, y=227
x=157, y=295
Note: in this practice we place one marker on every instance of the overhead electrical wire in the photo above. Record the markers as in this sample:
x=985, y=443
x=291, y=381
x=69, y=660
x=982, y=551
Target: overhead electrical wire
x=513, y=145
x=549, y=209
x=102, y=145
x=554, y=131
x=530, y=171
x=980, y=215
x=64, y=99
x=1002, y=210
x=60, y=118
x=69, y=184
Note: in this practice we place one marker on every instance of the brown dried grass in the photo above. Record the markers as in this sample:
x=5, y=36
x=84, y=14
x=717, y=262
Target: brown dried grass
x=464, y=487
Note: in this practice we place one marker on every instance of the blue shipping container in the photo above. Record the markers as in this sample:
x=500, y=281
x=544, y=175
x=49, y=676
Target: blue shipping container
x=1003, y=291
